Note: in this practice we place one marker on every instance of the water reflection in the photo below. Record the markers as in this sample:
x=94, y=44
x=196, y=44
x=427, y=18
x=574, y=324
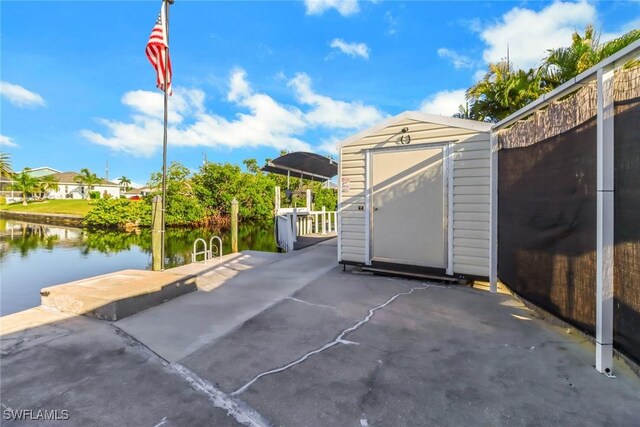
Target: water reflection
x=33, y=256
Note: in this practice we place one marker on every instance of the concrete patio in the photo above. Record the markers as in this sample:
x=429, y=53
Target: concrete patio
x=296, y=344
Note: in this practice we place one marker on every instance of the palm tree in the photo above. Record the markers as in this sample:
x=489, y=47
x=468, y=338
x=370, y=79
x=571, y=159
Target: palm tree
x=48, y=183
x=5, y=165
x=585, y=51
x=464, y=112
x=89, y=179
x=503, y=91
x=125, y=183
x=25, y=183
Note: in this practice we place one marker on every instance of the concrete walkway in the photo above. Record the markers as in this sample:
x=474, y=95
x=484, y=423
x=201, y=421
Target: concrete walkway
x=179, y=327
x=282, y=344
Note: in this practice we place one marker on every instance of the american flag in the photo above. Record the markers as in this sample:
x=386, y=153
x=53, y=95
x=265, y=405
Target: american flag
x=157, y=48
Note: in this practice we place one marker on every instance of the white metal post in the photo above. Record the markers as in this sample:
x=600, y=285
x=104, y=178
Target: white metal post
x=277, y=199
x=605, y=212
x=335, y=222
x=493, y=215
x=338, y=214
x=324, y=220
x=367, y=208
x=295, y=224
x=308, y=200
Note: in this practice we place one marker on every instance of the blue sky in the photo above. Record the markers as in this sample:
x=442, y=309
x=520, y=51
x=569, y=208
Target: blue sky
x=251, y=78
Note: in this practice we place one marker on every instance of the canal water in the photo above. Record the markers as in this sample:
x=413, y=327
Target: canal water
x=34, y=256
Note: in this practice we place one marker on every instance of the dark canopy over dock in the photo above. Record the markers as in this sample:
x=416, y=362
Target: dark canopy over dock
x=303, y=164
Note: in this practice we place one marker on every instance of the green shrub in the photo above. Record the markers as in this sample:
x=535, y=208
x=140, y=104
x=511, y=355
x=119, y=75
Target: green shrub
x=326, y=197
x=3, y=200
x=118, y=212
x=93, y=195
x=184, y=210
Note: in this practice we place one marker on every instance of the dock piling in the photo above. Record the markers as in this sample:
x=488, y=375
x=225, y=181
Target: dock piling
x=156, y=235
x=234, y=226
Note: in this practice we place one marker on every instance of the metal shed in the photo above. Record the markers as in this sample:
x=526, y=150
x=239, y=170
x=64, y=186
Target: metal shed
x=414, y=196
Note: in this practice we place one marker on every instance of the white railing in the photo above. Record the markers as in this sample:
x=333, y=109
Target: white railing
x=290, y=225
x=314, y=222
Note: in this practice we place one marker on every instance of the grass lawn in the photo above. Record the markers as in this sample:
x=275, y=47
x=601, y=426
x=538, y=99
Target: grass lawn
x=72, y=207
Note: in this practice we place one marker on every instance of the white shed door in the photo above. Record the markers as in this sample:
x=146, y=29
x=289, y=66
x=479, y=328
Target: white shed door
x=408, y=206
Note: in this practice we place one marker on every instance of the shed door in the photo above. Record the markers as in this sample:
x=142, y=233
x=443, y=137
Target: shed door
x=408, y=206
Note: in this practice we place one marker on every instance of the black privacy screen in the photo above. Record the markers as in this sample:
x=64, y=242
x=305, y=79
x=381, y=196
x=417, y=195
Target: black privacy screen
x=626, y=275
x=547, y=224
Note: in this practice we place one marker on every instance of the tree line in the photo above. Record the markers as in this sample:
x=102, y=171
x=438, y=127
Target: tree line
x=204, y=197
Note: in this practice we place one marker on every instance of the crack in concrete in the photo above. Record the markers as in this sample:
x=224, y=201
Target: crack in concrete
x=339, y=340
x=310, y=303
x=240, y=411
x=162, y=422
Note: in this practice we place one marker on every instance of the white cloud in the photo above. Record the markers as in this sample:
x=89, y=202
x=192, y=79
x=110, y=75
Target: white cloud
x=479, y=75
x=262, y=121
x=392, y=23
x=266, y=124
x=474, y=24
x=19, y=96
x=351, y=49
x=344, y=7
x=605, y=37
x=238, y=85
x=331, y=113
x=444, y=103
x=529, y=33
x=458, y=60
x=187, y=101
x=329, y=146
x=5, y=141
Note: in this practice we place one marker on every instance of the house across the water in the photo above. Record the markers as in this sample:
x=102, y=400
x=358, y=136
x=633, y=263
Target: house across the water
x=68, y=187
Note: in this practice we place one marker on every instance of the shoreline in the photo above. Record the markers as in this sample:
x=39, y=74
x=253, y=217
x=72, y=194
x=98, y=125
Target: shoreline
x=46, y=218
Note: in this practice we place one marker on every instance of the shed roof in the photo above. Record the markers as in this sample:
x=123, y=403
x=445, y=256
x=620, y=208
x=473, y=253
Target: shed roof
x=311, y=165
x=422, y=117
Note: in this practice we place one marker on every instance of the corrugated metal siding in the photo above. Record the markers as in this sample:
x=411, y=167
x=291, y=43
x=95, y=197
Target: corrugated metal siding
x=470, y=162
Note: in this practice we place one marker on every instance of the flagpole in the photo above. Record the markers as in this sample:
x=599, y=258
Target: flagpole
x=164, y=141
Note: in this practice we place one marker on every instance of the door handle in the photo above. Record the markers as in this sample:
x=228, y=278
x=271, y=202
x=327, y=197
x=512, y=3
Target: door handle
x=375, y=208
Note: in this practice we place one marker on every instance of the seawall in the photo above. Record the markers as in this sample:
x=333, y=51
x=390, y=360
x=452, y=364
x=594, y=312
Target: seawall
x=46, y=218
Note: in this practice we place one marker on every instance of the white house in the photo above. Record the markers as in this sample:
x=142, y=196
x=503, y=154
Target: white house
x=6, y=183
x=69, y=188
x=135, y=193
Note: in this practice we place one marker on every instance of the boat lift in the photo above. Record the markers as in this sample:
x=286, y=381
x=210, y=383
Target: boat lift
x=299, y=221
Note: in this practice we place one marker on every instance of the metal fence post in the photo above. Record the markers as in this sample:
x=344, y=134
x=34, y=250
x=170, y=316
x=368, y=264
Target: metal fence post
x=605, y=217
x=493, y=215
